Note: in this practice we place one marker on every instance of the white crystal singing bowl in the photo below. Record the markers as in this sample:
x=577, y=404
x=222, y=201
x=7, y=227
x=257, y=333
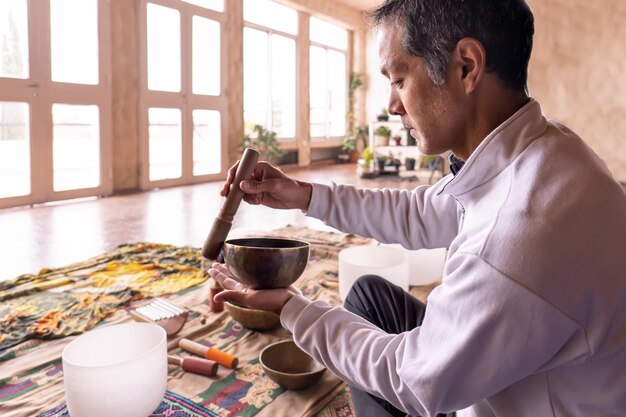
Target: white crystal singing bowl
x=118, y=370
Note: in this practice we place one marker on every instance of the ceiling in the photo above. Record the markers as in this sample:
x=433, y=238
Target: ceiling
x=361, y=4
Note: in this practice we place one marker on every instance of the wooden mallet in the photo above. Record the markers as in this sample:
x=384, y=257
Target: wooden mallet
x=222, y=223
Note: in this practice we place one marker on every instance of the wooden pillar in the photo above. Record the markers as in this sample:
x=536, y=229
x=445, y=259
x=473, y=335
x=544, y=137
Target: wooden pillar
x=359, y=65
x=303, y=134
x=125, y=94
x=233, y=77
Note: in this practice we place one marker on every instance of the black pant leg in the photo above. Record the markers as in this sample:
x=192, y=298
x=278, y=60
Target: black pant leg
x=393, y=310
x=385, y=305
x=367, y=405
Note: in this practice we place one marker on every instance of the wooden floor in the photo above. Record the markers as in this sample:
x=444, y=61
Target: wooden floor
x=59, y=234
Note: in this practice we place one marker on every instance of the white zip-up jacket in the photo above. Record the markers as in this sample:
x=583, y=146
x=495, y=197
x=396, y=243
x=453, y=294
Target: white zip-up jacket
x=530, y=319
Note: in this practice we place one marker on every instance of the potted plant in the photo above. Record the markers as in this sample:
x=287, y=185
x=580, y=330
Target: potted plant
x=389, y=164
x=265, y=142
x=381, y=162
x=366, y=164
x=353, y=143
x=356, y=81
x=409, y=163
x=382, y=134
x=367, y=156
x=426, y=161
x=383, y=116
x=394, y=162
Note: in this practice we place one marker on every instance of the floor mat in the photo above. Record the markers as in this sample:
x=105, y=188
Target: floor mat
x=173, y=405
x=31, y=376
x=70, y=300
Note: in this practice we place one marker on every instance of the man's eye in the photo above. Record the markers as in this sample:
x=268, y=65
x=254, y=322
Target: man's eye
x=397, y=84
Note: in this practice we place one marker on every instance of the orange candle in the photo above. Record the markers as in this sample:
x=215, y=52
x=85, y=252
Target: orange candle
x=211, y=353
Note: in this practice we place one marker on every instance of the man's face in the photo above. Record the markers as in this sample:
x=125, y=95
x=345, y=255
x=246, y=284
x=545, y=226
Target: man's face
x=433, y=114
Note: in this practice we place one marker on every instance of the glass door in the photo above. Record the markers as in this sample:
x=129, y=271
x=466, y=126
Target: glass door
x=55, y=137
x=182, y=102
x=18, y=94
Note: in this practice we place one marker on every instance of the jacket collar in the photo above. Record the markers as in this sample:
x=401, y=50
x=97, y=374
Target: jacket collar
x=499, y=149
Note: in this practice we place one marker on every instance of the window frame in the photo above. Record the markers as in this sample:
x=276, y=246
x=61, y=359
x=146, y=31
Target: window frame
x=328, y=140
x=40, y=93
x=286, y=142
x=185, y=100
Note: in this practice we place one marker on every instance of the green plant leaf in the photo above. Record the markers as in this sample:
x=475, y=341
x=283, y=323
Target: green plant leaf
x=264, y=141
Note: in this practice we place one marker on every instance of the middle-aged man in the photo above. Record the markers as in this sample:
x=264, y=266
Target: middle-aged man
x=530, y=318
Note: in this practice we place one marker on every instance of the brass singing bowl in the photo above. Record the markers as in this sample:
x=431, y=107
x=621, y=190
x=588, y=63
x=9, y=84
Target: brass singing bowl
x=251, y=318
x=266, y=263
x=290, y=367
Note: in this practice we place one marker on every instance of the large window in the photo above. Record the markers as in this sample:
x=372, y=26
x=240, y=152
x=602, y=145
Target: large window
x=217, y=5
x=75, y=146
x=55, y=118
x=270, y=14
x=183, y=104
x=163, y=48
x=14, y=39
x=328, y=79
x=14, y=149
x=74, y=41
x=270, y=67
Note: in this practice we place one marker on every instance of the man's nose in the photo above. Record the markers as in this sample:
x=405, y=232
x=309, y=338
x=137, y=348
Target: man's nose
x=395, y=104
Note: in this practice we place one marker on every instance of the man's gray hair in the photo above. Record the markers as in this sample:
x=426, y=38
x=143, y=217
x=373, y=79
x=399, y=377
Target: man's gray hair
x=432, y=28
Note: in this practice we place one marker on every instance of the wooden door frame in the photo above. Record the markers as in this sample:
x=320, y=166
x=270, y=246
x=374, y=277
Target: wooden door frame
x=40, y=93
x=185, y=100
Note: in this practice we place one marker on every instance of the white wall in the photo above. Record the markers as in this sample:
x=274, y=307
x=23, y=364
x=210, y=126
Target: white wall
x=577, y=72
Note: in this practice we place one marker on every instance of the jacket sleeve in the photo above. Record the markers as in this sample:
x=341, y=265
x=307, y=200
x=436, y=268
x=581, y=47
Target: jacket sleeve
x=480, y=334
x=415, y=219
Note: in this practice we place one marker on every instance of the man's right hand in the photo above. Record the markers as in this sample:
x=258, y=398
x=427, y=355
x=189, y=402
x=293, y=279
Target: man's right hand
x=270, y=187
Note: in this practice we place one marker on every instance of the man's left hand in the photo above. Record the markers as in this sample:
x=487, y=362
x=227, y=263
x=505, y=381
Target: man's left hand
x=237, y=293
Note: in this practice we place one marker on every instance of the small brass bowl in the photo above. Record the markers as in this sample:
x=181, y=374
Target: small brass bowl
x=266, y=263
x=290, y=367
x=251, y=318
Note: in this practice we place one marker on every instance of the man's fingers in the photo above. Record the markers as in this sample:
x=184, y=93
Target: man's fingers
x=254, y=199
x=256, y=187
x=229, y=179
x=220, y=274
x=232, y=171
x=250, y=186
x=231, y=296
x=259, y=171
x=220, y=267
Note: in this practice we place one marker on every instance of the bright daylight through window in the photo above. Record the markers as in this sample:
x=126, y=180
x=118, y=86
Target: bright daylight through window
x=269, y=41
x=184, y=115
x=328, y=79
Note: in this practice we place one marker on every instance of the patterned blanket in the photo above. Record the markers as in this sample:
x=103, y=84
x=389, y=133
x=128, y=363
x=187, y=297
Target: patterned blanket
x=60, y=302
x=173, y=405
x=40, y=314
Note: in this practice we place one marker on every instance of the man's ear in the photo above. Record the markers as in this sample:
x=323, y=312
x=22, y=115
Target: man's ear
x=469, y=58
